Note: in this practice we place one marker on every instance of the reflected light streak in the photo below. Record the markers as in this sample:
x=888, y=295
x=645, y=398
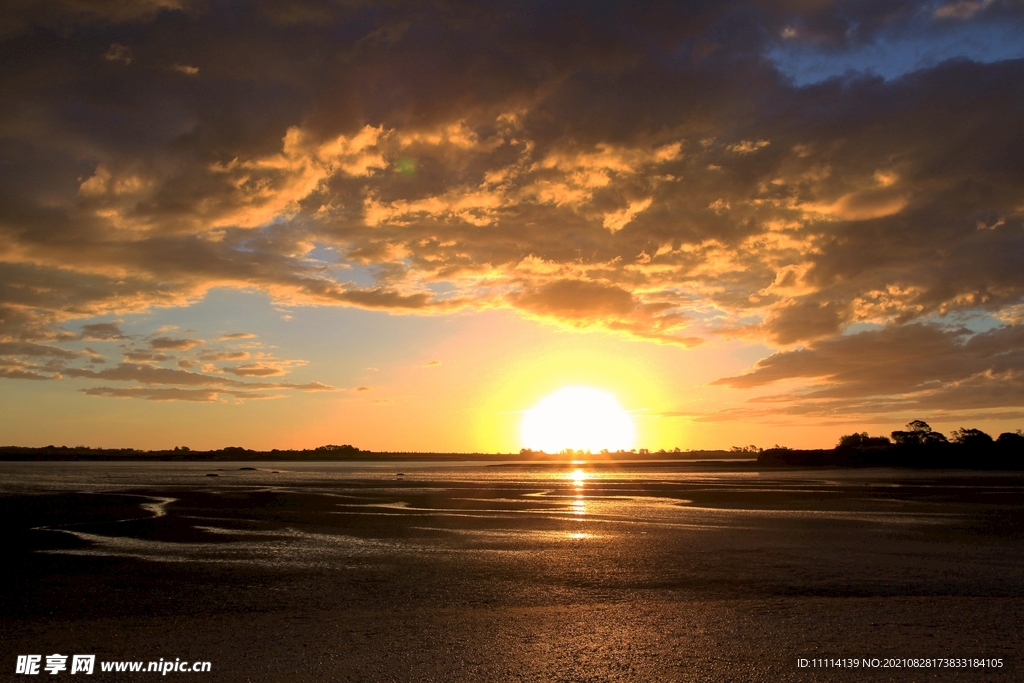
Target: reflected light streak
x=579, y=506
x=578, y=477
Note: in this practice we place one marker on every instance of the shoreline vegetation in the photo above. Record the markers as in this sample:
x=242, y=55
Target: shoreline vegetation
x=917, y=447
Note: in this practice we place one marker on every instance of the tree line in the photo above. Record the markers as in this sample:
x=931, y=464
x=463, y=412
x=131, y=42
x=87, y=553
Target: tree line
x=916, y=446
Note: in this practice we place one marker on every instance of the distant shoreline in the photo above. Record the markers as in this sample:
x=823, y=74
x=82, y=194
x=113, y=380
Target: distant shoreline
x=340, y=454
x=1005, y=454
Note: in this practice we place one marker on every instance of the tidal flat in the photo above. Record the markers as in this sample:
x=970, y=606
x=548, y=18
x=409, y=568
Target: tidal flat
x=477, y=572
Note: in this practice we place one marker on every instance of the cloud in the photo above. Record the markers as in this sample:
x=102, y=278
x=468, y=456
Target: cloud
x=265, y=366
x=146, y=357
x=962, y=9
x=860, y=206
x=255, y=370
x=383, y=298
x=37, y=350
x=102, y=331
x=643, y=170
x=578, y=299
x=804, y=319
x=174, y=394
x=119, y=53
x=180, y=385
x=433, y=364
x=167, y=343
x=310, y=386
x=223, y=355
x=748, y=146
x=147, y=374
x=25, y=374
x=617, y=220
x=897, y=369
x=586, y=303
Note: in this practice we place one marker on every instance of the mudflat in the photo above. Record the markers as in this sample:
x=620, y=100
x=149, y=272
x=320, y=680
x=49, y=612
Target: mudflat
x=481, y=572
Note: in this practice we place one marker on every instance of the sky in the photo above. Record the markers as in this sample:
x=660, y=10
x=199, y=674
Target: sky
x=401, y=225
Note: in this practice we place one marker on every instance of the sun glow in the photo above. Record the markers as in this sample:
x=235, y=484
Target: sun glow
x=578, y=477
x=580, y=418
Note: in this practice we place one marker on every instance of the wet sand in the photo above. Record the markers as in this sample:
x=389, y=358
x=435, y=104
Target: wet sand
x=508, y=574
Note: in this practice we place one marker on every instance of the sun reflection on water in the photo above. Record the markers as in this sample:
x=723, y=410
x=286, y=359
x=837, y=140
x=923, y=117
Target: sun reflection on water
x=578, y=477
x=579, y=506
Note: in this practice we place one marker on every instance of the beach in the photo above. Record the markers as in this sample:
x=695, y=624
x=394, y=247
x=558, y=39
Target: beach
x=463, y=571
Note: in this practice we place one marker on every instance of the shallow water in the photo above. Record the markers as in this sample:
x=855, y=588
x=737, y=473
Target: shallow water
x=326, y=512
x=481, y=503
x=524, y=563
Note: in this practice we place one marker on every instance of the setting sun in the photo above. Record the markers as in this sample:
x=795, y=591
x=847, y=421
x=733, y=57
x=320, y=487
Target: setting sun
x=580, y=418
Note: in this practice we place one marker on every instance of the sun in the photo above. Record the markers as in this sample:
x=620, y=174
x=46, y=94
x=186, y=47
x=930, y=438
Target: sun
x=580, y=418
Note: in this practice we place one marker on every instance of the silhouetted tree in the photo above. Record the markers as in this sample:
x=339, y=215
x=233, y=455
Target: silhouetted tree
x=861, y=449
x=920, y=446
x=862, y=440
x=918, y=433
x=972, y=438
x=1009, y=451
x=917, y=446
x=1013, y=439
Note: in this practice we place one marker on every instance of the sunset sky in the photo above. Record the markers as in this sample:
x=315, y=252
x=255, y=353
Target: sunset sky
x=401, y=225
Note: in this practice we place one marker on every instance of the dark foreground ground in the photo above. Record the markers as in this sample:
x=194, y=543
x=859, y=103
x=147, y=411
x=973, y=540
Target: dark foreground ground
x=506, y=575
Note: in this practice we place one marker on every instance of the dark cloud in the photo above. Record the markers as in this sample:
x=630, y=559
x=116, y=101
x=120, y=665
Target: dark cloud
x=102, y=331
x=898, y=369
x=28, y=360
x=255, y=370
x=805, y=320
x=174, y=394
x=25, y=374
x=146, y=357
x=182, y=385
x=223, y=355
x=171, y=344
x=579, y=299
x=38, y=350
x=147, y=374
